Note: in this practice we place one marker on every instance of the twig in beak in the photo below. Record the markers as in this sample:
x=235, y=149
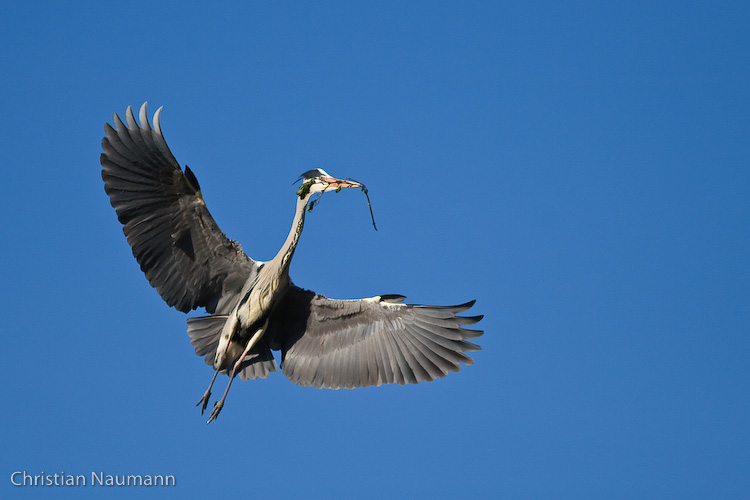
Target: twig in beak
x=369, y=205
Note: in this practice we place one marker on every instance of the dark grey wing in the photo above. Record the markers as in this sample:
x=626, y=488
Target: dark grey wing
x=335, y=344
x=182, y=251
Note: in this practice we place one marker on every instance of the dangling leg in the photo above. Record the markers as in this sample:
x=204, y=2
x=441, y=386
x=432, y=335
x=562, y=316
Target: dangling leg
x=220, y=403
x=207, y=394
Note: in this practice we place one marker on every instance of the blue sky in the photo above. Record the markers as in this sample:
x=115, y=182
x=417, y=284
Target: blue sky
x=581, y=169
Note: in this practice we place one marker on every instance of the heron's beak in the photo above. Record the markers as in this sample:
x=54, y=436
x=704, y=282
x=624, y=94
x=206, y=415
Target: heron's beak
x=335, y=183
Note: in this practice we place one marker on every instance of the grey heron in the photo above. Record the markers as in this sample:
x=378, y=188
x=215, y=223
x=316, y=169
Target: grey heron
x=253, y=307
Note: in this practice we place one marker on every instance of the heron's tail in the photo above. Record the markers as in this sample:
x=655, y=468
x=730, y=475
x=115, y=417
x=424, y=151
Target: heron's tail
x=204, y=334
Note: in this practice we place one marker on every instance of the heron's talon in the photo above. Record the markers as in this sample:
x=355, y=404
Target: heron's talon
x=217, y=408
x=204, y=400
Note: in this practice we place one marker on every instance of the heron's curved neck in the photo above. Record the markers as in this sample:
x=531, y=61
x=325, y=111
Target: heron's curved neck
x=284, y=257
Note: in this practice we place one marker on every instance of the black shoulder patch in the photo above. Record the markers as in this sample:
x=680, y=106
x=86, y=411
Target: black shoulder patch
x=184, y=242
x=392, y=298
x=192, y=179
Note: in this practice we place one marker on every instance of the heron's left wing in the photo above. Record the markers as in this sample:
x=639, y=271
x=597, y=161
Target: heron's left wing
x=335, y=344
x=182, y=251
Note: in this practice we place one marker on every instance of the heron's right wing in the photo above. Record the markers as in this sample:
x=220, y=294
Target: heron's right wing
x=174, y=238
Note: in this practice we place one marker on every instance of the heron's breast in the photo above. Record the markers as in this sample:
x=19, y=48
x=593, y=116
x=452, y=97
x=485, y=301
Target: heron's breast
x=259, y=301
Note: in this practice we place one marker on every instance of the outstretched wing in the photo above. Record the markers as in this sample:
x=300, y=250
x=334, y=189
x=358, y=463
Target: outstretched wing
x=182, y=251
x=336, y=344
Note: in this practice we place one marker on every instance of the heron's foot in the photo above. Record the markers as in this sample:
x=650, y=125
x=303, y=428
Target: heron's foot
x=217, y=408
x=204, y=400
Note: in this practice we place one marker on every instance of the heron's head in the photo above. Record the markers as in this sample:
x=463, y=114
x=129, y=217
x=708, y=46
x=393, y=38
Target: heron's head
x=320, y=181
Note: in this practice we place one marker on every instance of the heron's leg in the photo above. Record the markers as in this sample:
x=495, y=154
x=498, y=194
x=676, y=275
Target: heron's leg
x=207, y=394
x=220, y=403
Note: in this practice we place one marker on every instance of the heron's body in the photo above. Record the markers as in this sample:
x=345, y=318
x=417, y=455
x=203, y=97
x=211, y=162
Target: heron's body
x=254, y=307
x=247, y=322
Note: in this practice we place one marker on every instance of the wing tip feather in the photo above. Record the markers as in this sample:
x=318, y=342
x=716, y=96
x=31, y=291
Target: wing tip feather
x=143, y=117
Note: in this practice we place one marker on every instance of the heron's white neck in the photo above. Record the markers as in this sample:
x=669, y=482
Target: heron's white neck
x=283, y=258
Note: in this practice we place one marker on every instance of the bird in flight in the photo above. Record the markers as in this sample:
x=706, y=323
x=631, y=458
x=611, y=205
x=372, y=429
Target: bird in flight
x=253, y=307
